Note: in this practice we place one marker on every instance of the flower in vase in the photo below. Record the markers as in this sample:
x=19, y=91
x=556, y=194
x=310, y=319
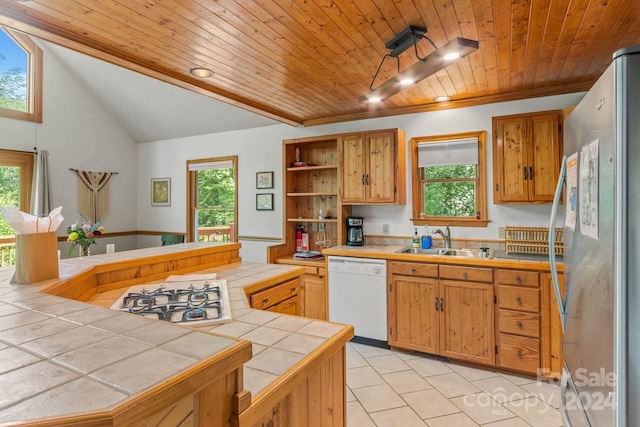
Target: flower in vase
x=83, y=235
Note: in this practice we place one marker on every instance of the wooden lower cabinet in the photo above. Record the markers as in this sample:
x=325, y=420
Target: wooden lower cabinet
x=552, y=360
x=453, y=318
x=314, y=296
x=281, y=298
x=466, y=322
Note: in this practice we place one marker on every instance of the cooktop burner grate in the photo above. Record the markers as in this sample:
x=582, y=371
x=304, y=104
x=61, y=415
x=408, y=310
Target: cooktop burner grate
x=193, y=303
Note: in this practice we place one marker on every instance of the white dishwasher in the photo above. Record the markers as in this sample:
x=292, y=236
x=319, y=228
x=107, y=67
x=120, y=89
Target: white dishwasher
x=358, y=296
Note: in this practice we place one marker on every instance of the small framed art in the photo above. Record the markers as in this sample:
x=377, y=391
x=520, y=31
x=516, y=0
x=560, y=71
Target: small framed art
x=264, y=180
x=264, y=202
x=160, y=191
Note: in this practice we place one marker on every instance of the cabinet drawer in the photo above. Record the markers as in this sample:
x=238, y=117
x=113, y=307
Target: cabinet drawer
x=519, y=298
x=519, y=353
x=276, y=294
x=473, y=274
x=519, y=323
x=516, y=277
x=413, y=269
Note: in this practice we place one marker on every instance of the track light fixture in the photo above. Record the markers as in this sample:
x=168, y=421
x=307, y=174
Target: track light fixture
x=426, y=66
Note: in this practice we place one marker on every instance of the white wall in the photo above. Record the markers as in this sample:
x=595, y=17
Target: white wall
x=261, y=150
x=79, y=134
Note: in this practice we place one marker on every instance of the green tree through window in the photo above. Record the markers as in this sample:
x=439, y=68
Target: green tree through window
x=13, y=74
x=213, y=205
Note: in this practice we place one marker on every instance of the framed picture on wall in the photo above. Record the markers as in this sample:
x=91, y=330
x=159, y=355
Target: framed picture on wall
x=264, y=202
x=160, y=191
x=264, y=180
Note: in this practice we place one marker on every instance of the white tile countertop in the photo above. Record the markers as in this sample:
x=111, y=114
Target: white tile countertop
x=59, y=356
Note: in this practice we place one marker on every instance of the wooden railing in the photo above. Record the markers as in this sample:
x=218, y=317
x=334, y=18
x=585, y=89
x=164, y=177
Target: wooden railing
x=205, y=234
x=216, y=234
x=7, y=251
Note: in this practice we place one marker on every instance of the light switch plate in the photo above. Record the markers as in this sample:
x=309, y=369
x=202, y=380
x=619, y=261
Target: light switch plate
x=385, y=228
x=501, y=232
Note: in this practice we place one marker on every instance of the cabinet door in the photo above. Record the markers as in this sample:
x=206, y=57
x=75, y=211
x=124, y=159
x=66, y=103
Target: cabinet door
x=510, y=160
x=352, y=188
x=467, y=321
x=551, y=356
x=545, y=152
x=381, y=168
x=413, y=317
x=289, y=306
x=314, y=297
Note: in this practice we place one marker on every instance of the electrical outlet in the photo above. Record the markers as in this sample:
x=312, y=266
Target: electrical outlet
x=314, y=226
x=385, y=228
x=501, y=232
x=321, y=227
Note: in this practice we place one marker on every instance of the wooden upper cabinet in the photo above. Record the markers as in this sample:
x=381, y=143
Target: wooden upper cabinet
x=527, y=150
x=373, y=168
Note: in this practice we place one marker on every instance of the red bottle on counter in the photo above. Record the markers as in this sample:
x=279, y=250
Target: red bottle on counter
x=299, y=230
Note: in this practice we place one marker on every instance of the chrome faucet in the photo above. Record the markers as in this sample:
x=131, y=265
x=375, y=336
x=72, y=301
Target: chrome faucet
x=446, y=236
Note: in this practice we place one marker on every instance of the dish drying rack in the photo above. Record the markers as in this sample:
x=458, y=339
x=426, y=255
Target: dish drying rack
x=531, y=240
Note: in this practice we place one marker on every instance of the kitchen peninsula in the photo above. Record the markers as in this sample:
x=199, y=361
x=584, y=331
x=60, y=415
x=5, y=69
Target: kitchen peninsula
x=67, y=360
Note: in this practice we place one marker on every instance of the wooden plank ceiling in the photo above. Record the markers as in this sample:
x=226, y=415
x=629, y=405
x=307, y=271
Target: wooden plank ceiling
x=308, y=61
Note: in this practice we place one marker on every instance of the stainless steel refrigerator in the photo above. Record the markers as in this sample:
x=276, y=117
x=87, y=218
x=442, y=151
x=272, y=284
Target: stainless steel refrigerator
x=601, y=306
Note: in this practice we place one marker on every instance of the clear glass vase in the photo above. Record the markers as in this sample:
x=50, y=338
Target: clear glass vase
x=84, y=250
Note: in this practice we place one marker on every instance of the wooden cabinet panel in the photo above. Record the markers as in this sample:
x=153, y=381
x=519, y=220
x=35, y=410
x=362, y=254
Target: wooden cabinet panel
x=314, y=297
x=413, y=269
x=373, y=168
x=519, y=298
x=288, y=306
x=275, y=295
x=473, y=274
x=552, y=359
x=353, y=169
x=517, y=278
x=413, y=310
x=519, y=353
x=519, y=323
x=467, y=321
x=527, y=150
x=381, y=170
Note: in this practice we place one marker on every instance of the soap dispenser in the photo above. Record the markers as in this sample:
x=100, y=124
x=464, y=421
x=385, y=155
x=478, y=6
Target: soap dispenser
x=416, y=239
x=426, y=238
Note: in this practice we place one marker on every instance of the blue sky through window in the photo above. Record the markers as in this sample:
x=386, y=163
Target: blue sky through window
x=14, y=57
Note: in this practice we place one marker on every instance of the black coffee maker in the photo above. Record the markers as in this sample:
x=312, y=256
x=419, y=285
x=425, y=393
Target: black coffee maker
x=355, y=234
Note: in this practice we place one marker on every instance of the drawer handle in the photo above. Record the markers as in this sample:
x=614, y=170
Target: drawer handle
x=266, y=300
x=293, y=289
x=517, y=278
x=518, y=300
x=413, y=270
x=519, y=324
x=464, y=274
x=519, y=355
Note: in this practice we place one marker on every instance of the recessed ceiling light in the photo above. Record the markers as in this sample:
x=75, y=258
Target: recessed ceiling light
x=374, y=99
x=442, y=98
x=201, y=72
x=451, y=56
x=405, y=82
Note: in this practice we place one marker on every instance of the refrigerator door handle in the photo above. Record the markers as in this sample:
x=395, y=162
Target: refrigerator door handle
x=552, y=239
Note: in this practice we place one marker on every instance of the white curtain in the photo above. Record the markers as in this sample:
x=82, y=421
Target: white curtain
x=42, y=199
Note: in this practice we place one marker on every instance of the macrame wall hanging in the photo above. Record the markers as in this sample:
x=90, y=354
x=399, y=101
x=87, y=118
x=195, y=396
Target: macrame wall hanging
x=93, y=194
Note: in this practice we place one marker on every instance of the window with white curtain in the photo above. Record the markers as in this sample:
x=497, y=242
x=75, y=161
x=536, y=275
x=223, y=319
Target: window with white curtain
x=449, y=179
x=213, y=199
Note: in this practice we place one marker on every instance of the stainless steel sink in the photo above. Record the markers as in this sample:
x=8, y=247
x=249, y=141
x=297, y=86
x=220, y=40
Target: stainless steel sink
x=453, y=252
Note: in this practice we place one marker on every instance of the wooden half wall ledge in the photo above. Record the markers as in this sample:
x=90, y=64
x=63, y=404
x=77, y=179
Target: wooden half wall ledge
x=141, y=269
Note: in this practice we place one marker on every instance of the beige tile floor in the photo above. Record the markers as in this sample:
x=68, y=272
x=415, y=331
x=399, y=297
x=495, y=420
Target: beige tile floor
x=390, y=388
